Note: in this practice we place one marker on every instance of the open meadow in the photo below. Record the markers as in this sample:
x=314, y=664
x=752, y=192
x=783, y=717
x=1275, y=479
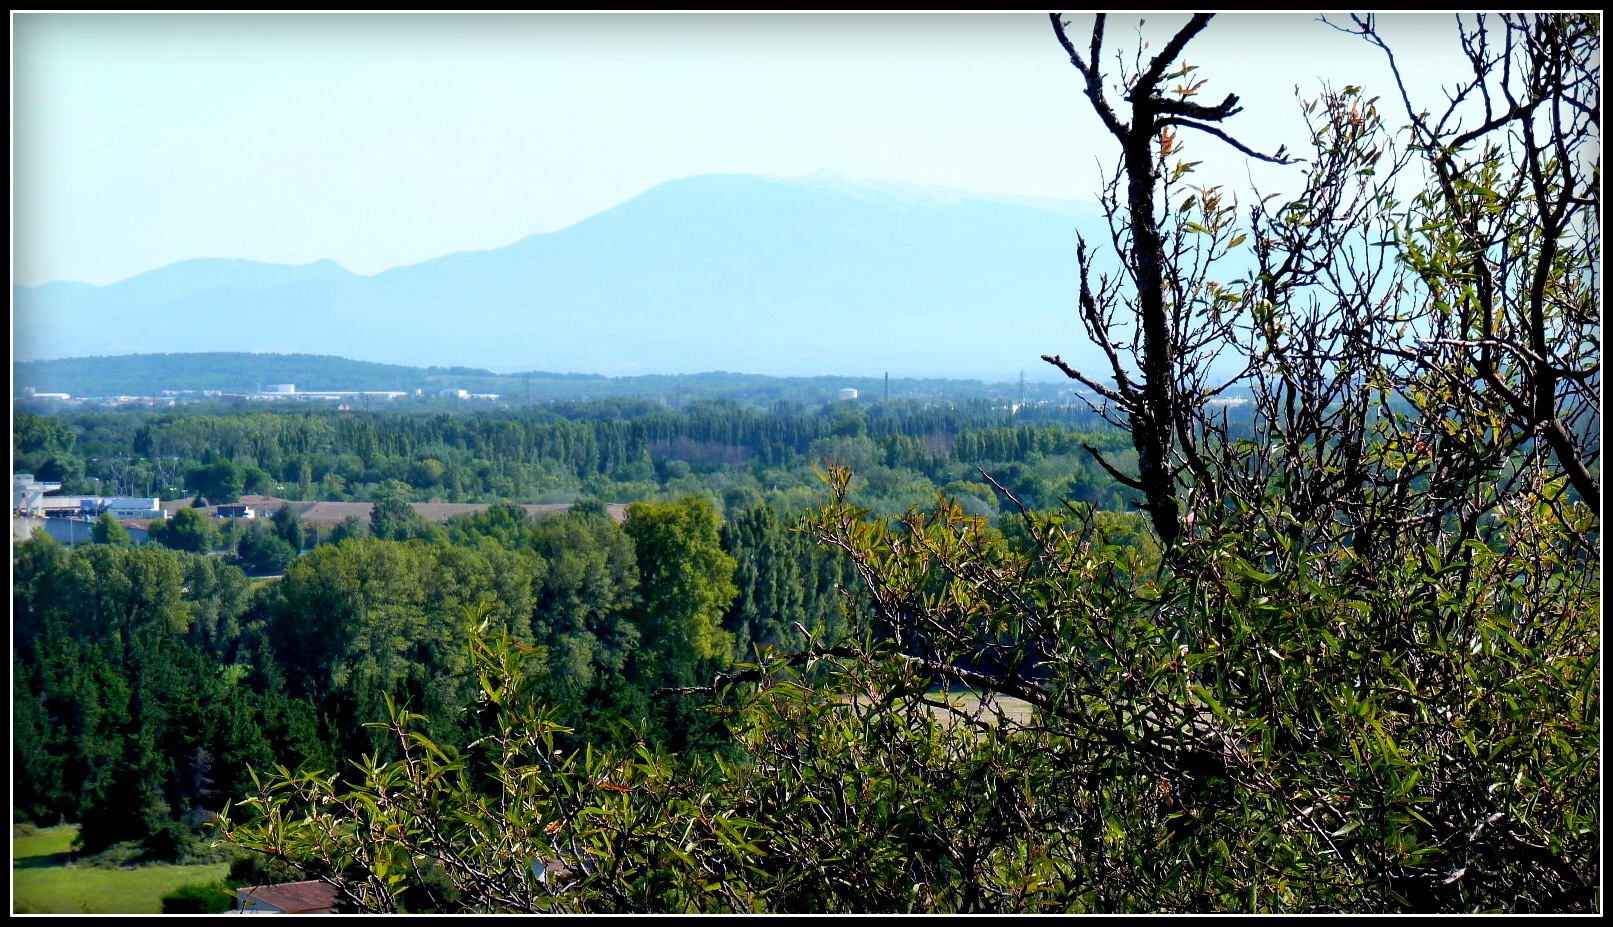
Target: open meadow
x=43, y=881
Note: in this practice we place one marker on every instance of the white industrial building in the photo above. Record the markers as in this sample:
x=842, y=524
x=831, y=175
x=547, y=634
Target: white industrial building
x=122, y=507
x=290, y=391
x=28, y=494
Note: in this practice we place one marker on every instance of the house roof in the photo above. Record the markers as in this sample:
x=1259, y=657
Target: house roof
x=294, y=897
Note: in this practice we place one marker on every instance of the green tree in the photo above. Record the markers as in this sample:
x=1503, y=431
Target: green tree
x=332, y=487
x=230, y=532
x=393, y=518
x=40, y=434
x=355, y=623
x=586, y=599
x=188, y=529
x=686, y=581
x=505, y=523
x=262, y=551
x=219, y=596
x=46, y=447
x=109, y=530
x=125, y=724
x=256, y=480
x=221, y=481
x=288, y=526
x=788, y=586
x=1515, y=331
x=350, y=527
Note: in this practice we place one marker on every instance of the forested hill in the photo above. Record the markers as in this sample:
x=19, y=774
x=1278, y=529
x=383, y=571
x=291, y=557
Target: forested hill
x=224, y=371
x=240, y=372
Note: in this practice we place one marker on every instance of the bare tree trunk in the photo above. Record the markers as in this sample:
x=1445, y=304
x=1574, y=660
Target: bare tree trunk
x=1157, y=411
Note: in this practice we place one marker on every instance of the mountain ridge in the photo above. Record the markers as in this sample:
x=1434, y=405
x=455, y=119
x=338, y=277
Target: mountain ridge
x=782, y=275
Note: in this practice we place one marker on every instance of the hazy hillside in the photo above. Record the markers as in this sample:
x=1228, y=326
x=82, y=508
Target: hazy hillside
x=232, y=372
x=735, y=272
x=229, y=372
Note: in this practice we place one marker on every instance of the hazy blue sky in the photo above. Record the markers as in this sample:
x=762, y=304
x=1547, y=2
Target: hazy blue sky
x=140, y=140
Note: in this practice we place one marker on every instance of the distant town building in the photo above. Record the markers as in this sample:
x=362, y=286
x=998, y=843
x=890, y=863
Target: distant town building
x=848, y=393
x=69, y=532
x=122, y=507
x=235, y=511
x=67, y=507
x=29, y=392
x=454, y=393
x=280, y=391
x=28, y=494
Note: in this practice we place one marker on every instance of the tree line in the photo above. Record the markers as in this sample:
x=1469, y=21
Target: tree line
x=620, y=450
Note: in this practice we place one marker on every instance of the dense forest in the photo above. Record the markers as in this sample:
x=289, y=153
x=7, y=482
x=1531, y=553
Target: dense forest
x=615, y=450
x=151, y=679
x=148, y=679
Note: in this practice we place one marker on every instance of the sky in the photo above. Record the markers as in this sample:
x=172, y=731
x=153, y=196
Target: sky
x=383, y=140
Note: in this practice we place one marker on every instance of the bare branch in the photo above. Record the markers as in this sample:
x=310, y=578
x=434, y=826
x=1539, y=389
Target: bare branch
x=1279, y=158
x=1094, y=78
x=1119, y=477
x=1173, y=49
x=1074, y=374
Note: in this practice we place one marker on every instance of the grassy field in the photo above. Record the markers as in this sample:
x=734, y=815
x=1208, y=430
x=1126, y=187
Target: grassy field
x=968, y=701
x=43, y=882
x=1014, y=709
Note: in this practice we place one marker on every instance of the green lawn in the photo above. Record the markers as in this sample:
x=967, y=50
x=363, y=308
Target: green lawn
x=51, y=841
x=1016, y=710
x=43, y=882
x=968, y=701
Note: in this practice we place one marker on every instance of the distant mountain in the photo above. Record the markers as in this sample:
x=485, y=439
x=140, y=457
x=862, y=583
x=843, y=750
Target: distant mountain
x=787, y=276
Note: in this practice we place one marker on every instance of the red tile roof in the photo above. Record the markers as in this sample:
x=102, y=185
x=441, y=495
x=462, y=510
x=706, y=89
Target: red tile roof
x=310, y=897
